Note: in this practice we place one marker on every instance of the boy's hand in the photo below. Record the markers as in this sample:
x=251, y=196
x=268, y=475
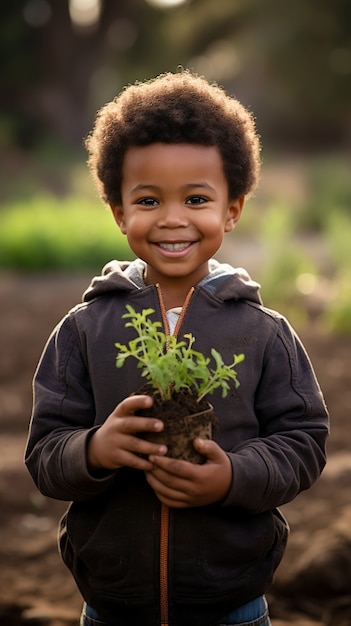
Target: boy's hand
x=182, y=484
x=115, y=444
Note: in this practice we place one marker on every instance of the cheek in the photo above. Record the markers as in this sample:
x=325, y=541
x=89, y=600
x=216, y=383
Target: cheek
x=137, y=228
x=213, y=224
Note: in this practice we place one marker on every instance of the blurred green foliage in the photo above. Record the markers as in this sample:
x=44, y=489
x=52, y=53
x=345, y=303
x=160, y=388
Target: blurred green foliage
x=301, y=225
x=46, y=233
x=288, y=62
x=303, y=263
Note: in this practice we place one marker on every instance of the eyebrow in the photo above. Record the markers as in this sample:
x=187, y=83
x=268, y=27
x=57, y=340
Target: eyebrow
x=146, y=186
x=142, y=187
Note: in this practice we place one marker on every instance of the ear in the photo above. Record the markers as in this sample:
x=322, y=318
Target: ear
x=118, y=214
x=233, y=213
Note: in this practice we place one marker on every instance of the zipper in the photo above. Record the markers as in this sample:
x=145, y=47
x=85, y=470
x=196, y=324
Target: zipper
x=164, y=534
x=164, y=312
x=164, y=529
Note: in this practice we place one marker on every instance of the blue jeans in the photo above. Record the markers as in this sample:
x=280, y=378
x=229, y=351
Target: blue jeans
x=255, y=613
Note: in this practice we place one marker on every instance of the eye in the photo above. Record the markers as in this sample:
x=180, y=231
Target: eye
x=196, y=200
x=148, y=202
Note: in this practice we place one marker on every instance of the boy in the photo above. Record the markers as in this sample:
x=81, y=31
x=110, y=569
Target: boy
x=152, y=540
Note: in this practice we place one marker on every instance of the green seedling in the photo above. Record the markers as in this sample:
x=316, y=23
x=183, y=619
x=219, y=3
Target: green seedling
x=170, y=365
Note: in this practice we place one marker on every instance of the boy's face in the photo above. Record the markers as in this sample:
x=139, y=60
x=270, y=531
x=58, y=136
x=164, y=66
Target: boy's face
x=175, y=209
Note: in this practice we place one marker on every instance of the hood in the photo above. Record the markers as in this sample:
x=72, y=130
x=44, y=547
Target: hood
x=116, y=276
x=224, y=281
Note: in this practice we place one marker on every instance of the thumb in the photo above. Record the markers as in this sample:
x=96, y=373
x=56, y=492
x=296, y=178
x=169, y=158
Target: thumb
x=209, y=449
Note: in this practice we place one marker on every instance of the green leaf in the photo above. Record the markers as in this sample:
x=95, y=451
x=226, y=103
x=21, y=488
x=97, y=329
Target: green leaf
x=170, y=365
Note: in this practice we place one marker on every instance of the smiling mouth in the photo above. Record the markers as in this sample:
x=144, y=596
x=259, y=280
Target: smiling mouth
x=175, y=247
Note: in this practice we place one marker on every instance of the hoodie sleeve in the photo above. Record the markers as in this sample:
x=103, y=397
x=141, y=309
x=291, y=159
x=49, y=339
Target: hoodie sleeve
x=63, y=420
x=289, y=455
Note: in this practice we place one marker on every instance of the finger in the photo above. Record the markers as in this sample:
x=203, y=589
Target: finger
x=133, y=452
x=166, y=494
x=130, y=405
x=128, y=459
x=136, y=445
x=210, y=449
x=175, y=467
x=179, y=483
x=135, y=424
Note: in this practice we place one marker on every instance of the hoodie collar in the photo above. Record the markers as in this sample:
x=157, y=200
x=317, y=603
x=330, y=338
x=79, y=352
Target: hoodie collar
x=116, y=276
x=231, y=283
x=224, y=281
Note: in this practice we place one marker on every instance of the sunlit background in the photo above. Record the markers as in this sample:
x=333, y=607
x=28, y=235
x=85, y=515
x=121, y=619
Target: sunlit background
x=289, y=63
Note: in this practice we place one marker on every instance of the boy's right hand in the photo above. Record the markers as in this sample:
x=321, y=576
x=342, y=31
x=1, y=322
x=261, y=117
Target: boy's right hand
x=116, y=444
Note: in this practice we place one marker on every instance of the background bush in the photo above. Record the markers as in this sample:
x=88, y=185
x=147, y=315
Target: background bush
x=47, y=233
x=298, y=226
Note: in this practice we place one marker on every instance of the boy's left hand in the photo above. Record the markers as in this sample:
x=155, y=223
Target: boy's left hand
x=181, y=484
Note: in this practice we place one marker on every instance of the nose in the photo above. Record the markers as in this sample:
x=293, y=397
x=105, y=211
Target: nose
x=173, y=215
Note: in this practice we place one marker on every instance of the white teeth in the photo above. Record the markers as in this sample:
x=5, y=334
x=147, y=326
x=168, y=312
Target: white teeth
x=174, y=246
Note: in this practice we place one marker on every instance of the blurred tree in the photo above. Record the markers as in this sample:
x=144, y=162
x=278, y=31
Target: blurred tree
x=51, y=62
x=307, y=65
x=290, y=62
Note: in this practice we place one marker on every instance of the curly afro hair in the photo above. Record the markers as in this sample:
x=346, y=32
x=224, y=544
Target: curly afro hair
x=174, y=108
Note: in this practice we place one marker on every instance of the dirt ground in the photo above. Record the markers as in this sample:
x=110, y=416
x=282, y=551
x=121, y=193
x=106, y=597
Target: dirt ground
x=312, y=585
